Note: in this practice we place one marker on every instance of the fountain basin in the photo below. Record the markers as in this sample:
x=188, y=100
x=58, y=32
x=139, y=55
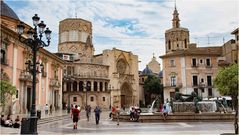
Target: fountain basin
x=204, y=106
x=181, y=117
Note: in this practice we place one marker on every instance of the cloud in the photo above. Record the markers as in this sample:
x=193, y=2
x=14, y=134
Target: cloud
x=136, y=25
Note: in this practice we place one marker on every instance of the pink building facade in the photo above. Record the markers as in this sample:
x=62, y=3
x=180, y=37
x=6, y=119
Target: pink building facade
x=14, y=55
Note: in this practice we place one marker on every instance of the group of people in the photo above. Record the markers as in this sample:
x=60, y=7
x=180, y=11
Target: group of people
x=8, y=122
x=134, y=113
x=75, y=114
x=47, y=108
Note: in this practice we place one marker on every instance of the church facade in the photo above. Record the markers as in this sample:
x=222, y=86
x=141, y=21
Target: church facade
x=107, y=79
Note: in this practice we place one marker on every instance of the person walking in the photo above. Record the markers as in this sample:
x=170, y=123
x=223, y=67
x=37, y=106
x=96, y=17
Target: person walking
x=46, y=109
x=97, y=111
x=75, y=115
x=88, y=112
x=51, y=109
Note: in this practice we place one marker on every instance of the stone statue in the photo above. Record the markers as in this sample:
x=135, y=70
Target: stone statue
x=171, y=104
x=193, y=97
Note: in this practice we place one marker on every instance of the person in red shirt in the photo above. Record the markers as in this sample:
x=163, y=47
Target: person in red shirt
x=75, y=115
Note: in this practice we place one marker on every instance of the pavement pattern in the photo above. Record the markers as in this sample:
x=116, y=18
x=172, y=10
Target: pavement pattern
x=109, y=127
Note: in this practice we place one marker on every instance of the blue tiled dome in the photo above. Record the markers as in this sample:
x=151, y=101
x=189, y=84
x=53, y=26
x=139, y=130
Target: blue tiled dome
x=147, y=71
x=160, y=74
x=7, y=11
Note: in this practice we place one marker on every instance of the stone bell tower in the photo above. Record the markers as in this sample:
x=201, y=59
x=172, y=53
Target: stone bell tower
x=177, y=38
x=75, y=37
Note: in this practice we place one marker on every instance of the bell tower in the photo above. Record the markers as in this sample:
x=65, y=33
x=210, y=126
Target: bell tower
x=176, y=38
x=75, y=37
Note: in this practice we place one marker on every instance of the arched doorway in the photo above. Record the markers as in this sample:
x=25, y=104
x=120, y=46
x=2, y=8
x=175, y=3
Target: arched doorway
x=126, y=95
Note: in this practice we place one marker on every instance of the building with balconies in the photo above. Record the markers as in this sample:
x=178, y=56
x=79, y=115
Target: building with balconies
x=14, y=56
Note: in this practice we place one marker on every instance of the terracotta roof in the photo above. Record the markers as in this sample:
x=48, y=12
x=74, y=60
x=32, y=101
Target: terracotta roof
x=196, y=51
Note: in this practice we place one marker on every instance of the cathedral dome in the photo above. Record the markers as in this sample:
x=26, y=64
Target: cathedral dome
x=7, y=11
x=160, y=75
x=147, y=71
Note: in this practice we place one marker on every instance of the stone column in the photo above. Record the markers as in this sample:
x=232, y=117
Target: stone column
x=77, y=85
x=103, y=85
x=92, y=86
x=84, y=85
x=98, y=86
x=71, y=86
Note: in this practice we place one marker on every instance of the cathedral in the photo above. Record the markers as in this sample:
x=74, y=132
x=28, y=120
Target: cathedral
x=107, y=79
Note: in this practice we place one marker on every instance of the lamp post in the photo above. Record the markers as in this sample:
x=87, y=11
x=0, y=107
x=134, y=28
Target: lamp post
x=87, y=87
x=34, y=41
x=110, y=89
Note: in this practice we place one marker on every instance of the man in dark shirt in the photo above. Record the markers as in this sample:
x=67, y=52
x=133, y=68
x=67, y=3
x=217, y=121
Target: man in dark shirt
x=97, y=114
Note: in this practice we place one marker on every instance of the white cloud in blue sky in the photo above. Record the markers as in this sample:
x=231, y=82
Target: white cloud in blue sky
x=136, y=25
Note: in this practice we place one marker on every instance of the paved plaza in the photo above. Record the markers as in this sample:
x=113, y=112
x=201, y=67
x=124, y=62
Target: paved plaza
x=109, y=127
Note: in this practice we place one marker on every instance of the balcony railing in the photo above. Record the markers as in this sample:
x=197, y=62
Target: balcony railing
x=25, y=76
x=55, y=83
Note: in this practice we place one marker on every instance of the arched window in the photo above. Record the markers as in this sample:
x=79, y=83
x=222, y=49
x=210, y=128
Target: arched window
x=68, y=86
x=106, y=86
x=81, y=88
x=169, y=45
x=101, y=86
x=75, y=86
x=185, y=42
x=95, y=86
x=88, y=86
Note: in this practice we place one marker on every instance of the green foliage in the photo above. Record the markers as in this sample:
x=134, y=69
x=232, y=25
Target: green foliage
x=6, y=88
x=153, y=85
x=227, y=80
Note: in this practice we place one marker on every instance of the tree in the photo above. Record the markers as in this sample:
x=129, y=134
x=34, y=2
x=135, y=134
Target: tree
x=227, y=83
x=152, y=85
x=6, y=89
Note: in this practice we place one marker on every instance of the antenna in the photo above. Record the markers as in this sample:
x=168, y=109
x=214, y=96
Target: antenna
x=75, y=13
x=223, y=40
x=175, y=4
x=208, y=40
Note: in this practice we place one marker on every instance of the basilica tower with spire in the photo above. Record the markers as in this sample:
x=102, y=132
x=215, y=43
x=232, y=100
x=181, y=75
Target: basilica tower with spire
x=177, y=38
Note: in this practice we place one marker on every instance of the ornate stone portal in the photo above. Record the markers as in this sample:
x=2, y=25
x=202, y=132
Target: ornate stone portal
x=126, y=95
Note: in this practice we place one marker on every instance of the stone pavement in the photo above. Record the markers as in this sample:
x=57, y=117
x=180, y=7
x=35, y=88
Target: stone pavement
x=44, y=117
x=109, y=127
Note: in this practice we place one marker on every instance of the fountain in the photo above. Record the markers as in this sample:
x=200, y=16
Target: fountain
x=151, y=108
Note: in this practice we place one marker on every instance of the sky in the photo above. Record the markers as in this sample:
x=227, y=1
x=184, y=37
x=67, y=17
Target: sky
x=136, y=25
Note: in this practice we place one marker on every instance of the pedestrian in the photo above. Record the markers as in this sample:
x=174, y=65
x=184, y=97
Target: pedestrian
x=2, y=120
x=112, y=113
x=75, y=115
x=17, y=122
x=51, y=109
x=97, y=111
x=88, y=112
x=165, y=112
x=46, y=109
x=8, y=121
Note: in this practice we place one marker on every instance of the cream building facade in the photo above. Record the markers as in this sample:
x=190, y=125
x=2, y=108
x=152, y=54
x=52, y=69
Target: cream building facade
x=14, y=55
x=107, y=79
x=186, y=66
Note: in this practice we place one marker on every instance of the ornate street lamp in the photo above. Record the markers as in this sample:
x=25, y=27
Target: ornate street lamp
x=34, y=41
x=87, y=87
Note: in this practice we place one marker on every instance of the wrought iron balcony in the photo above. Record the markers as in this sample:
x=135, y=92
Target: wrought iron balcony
x=25, y=76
